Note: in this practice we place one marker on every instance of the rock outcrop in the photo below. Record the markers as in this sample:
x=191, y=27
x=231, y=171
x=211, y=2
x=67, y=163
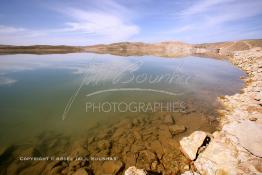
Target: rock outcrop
x=236, y=149
x=135, y=171
x=191, y=144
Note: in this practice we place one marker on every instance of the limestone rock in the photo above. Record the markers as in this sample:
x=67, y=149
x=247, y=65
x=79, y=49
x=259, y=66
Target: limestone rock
x=245, y=132
x=217, y=157
x=177, y=129
x=112, y=167
x=134, y=171
x=130, y=159
x=157, y=147
x=154, y=165
x=119, y=132
x=168, y=119
x=81, y=171
x=189, y=145
x=34, y=169
x=190, y=173
x=145, y=159
x=103, y=144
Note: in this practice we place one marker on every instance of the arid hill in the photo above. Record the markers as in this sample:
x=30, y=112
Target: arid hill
x=166, y=49
x=38, y=49
x=225, y=48
x=138, y=48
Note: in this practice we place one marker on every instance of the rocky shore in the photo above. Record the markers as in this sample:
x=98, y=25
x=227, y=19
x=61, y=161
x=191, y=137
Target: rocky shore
x=236, y=148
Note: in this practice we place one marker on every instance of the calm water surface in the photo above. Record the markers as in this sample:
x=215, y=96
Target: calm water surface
x=35, y=90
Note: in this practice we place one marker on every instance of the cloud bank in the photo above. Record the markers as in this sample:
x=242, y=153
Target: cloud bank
x=84, y=22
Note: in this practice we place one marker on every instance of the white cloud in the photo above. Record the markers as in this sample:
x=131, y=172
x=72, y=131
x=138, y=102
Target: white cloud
x=214, y=20
x=203, y=6
x=100, y=23
x=236, y=11
x=20, y=36
x=7, y=29
x=220, y=11
x=107, y=21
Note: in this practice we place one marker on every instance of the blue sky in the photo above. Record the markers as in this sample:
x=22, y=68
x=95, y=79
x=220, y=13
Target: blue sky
x=87, y=22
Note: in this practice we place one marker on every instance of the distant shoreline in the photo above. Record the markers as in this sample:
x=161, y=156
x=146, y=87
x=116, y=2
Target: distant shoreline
x=168, y=49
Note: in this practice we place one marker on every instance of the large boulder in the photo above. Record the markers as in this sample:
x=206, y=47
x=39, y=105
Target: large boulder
x=248, y=134
x=219, y=156
x=191, y=144
x=224, y=155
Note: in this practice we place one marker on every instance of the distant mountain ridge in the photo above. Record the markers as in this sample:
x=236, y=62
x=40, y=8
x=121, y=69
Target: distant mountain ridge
x=169, y=48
